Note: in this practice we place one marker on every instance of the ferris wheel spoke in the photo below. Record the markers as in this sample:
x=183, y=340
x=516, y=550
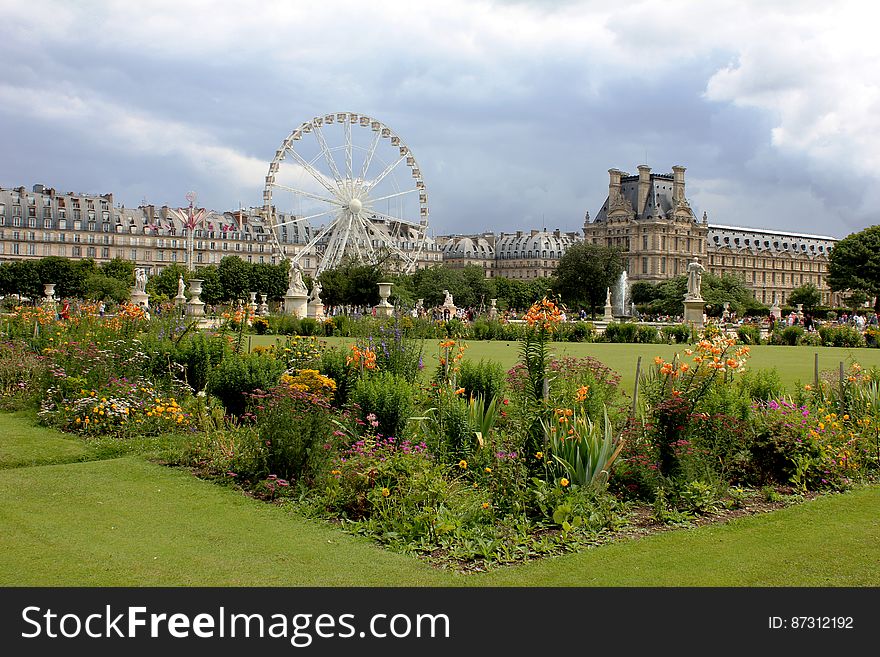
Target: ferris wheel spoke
x=328, y=156
x=385, y=173
x=311, y=243
x=370, y=152
x=301, y=192
x=383, y=198
x=314, y=172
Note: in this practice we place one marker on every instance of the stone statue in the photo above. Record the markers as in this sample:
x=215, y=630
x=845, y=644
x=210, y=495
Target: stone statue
x=297, y=286
x=447, y=301
x=316, y=293
x=608, y=297
x=140, y=280
x=695, y=277
x=180, y=287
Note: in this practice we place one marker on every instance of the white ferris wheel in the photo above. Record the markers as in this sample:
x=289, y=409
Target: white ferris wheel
x=355, y=178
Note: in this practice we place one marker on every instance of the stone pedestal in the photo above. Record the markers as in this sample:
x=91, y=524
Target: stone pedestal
x=195, y=306
x=384, y=309
x=263, y=308
x=609, y=313
x=315, y=310
x=693, y=312
x=493, y=311
x=252, y=306
x=139, y=298
x=296, y=304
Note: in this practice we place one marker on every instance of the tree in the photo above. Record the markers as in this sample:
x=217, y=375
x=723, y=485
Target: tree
x=121, y=270
x=352, y=282
x=234, y=275
x=854, y=263
x=585, y=272
x=429, y=284
x=58, y=270
x=808, y=295
x=164, y=284
x=270, y=280
x=24, y=279
x=100, y=287
x=718, y=290
x=212, y=291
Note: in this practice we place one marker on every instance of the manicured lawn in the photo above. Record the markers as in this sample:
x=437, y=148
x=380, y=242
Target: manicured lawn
x=792, y=363
x=23, y=444
x=125, y=521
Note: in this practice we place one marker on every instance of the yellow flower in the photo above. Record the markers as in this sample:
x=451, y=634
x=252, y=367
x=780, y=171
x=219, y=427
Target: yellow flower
x=846, y=417
x=563, y=482
x=462, y=464
x=385, y=492
x=78, y=420
x=539, y=455
x=485, y=505
x=488, y=470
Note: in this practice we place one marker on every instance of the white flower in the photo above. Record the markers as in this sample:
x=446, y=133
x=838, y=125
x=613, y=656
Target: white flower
x=201, y=393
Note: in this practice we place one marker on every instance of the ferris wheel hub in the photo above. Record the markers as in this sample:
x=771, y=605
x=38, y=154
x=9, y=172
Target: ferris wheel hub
x=355, y=206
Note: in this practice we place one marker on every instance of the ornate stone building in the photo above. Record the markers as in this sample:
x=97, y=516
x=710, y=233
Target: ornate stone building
x=41, y=222
x=648, y=216
x=520, y=255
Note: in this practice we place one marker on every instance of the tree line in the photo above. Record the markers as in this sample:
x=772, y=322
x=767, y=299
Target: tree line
x=580, y=281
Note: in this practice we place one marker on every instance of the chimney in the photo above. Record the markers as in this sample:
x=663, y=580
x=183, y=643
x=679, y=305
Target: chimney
x=644, y=186
x=677, y=183
x=613, y=183
x=38, y=188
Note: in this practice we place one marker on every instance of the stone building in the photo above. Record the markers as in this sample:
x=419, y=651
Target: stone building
x=523, y=255
x=41, y=222
x=648, y=216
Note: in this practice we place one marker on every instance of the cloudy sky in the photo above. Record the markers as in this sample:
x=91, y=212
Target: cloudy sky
x=515, y=110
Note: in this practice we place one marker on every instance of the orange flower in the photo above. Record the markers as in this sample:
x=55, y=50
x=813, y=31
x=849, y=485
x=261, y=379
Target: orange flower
x=564, y=482
x=582, y=393
x=658, y=360
x=460, y=391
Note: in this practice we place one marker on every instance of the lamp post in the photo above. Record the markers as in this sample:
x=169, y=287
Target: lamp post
x=190, y=217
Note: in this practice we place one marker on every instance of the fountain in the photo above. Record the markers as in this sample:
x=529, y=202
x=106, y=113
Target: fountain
x=621, y=291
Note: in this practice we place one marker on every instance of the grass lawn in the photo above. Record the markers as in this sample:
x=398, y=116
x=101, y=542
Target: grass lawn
x=793, y=363
x=128, y=522
x=23, y=443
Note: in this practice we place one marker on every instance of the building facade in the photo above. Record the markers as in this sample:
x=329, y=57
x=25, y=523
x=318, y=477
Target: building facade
x=523, y=255
x=648, y=216
x=41, y=222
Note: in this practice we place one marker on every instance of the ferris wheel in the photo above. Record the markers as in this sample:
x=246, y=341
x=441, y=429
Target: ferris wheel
x=352, y=176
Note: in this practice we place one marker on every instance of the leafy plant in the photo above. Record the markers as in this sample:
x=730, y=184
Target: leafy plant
x=585, y=450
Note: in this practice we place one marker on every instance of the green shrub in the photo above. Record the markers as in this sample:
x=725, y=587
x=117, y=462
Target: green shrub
x=238, y=375
x=484, y=379
x=295, y=428
x=762, y=385
x=581, y=332
x=620, y=332
x=332, y=364
x=309, y=326
x=343, y=325
x=388, y=397
x=198, y=355
x=284, y=325
x=647, y=334
x=678, y=334
x=791, y=335
x=841, y=336
x=749, y=334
